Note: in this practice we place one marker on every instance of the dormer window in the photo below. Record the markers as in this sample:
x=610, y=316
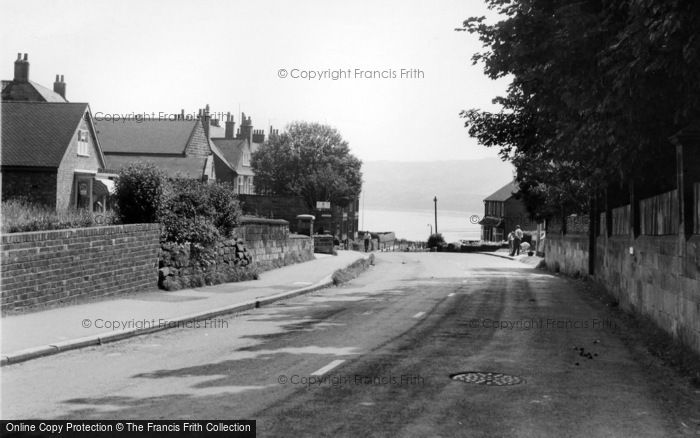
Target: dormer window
x=83, y=143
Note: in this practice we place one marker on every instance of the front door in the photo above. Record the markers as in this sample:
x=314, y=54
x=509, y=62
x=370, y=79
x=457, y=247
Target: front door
x=83, y=192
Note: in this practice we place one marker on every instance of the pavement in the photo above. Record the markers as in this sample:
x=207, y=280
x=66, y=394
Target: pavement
x=503, y=253
x=37, y=334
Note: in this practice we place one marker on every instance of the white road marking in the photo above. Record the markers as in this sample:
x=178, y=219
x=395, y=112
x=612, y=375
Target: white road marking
x=327, y=368
x=419, y=315
x=451, y=295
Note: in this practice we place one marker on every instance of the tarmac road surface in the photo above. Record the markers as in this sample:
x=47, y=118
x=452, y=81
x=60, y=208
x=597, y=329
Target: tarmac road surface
x=375, y=358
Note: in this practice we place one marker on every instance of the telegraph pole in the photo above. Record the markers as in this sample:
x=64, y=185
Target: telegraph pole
x=435, y=201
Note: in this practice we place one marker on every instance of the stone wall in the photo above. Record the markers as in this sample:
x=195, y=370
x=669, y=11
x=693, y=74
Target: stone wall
x=45, y=268
x=275, y=207
x=271, y=245
x=655, y=276
x=566, y=254
x=183, y=265
x=256, y=245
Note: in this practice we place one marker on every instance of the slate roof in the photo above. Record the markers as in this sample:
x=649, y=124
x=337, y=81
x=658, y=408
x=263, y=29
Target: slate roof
x=145, y=137
x=217, y=152
x=186, y=167
x=232, y=149
x=504, y=193
x=13, y=91
x=36, y=134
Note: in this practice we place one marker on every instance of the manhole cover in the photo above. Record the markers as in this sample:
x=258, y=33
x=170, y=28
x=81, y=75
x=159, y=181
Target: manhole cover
x=487, y=378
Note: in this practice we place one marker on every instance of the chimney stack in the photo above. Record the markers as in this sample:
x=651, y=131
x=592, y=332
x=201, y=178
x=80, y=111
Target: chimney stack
x=246, y=131
x=59, y=86
x=22, y=68
x=230, y=127
x=258, y=136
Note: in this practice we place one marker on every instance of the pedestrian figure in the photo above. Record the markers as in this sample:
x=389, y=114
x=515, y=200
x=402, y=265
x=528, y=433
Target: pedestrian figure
x=367, y=237
x=516, y=241
x=511, y=238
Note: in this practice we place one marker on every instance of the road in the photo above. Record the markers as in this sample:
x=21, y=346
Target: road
x=375, y=358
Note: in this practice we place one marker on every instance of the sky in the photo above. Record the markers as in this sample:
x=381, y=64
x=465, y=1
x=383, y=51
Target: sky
x=158, y=57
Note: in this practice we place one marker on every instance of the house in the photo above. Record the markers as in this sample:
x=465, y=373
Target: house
x=51, y=155
x=179, y=146
x=22, y=89
x=232, y=153
x=342, y=222
x=503, y=211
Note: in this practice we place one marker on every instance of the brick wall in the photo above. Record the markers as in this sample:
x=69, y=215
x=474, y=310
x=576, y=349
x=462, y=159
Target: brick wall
x=50, y=267
x=659, y=278
x=37, y=186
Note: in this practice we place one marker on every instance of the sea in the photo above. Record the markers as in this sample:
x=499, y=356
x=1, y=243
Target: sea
x=416, y=224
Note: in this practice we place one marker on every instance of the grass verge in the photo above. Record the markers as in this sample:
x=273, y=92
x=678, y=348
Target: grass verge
x=344, y=275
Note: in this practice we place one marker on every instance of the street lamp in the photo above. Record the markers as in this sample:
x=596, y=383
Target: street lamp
x=431, y=229
x=435, y=201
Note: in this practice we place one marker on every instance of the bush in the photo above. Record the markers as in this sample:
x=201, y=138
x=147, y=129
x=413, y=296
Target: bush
x=199, y=213
x=140, y=192
x=227, y=210
x=19, y=215
x=436, y=240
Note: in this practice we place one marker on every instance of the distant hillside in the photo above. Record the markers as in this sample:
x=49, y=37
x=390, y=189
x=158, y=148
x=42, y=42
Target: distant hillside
x=459, y=185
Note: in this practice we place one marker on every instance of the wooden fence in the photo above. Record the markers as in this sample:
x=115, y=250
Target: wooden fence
x=658, y=215
x=621, y=220
x=696, y=186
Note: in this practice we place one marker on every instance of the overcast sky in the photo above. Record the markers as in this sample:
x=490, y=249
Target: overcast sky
x=155, y=56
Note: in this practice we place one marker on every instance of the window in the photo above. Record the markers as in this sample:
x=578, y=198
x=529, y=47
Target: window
x=246, y=158
x=240, y=184
x=83, y=143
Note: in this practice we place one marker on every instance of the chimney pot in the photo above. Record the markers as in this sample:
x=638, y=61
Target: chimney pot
x=21, y=69
x=230, y=127
x=26, y=58
x=59, y=86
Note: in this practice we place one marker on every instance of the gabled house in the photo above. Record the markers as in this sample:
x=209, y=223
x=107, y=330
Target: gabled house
x=503, y=211
x=20, y=88
x=51, y=155
x=179, y=147
x=232, y=153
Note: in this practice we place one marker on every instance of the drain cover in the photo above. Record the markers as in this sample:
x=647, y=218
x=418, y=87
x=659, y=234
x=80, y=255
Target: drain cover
x=487, y=378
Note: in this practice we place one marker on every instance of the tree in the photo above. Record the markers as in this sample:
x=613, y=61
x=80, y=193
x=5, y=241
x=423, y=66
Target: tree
x=597, y=88
x=308, y=160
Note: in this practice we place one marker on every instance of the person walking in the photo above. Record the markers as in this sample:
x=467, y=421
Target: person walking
x=511, y=238
x=516, y=242
x=367, y=237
